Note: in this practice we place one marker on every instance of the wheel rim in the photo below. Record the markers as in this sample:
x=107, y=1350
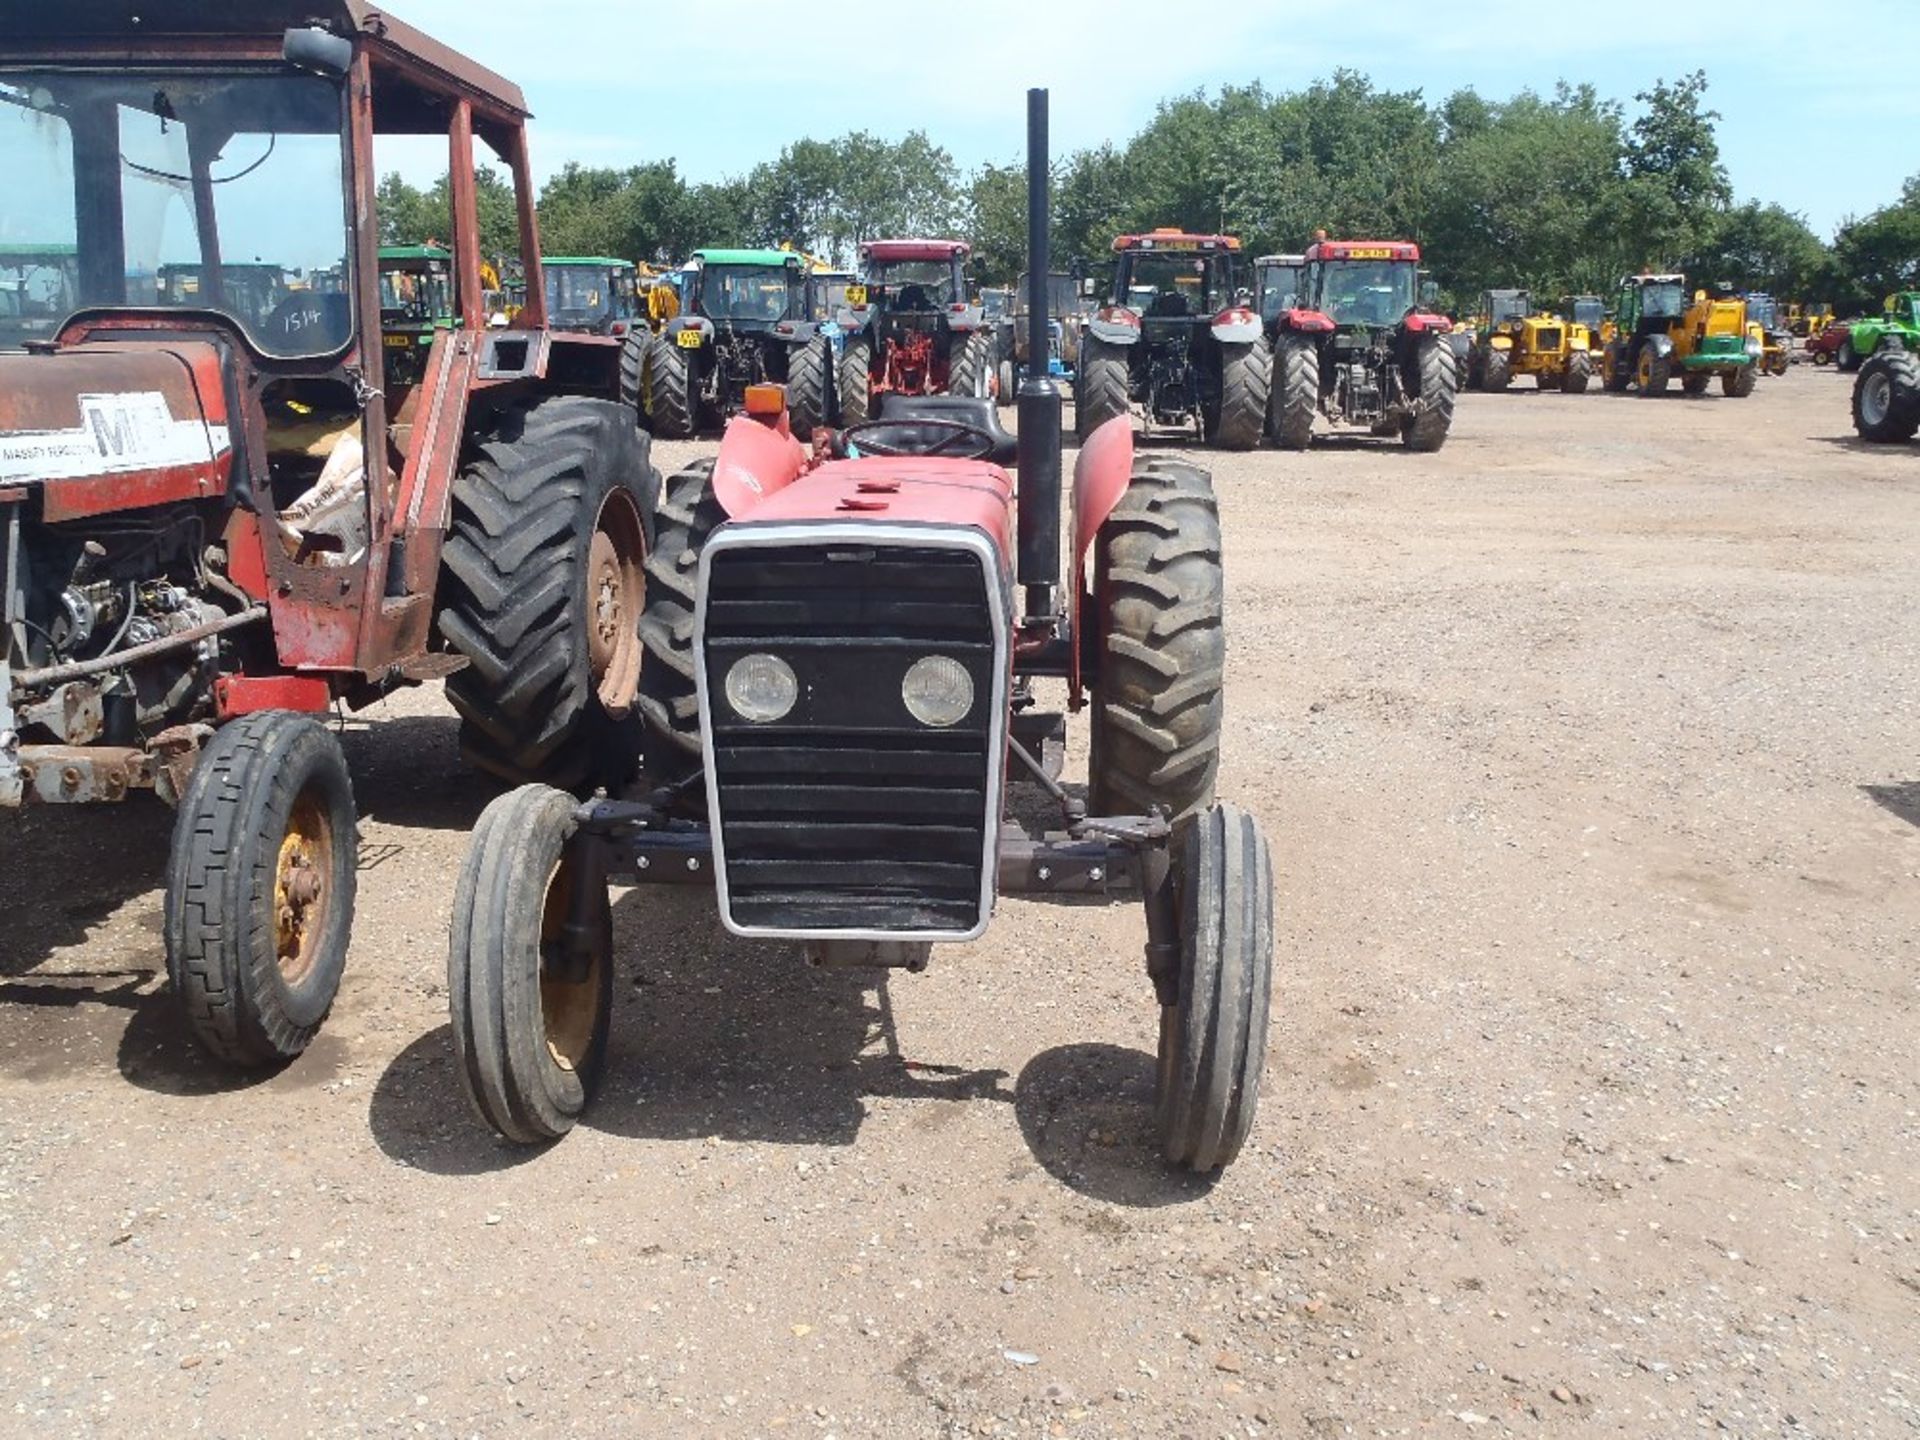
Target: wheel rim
x=302, y=900
x=1646, y=369
x=1876, y=398
x=569, y=1004
x=616, y=592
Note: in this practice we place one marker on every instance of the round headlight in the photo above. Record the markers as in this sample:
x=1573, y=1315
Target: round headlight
x=937, y=691
x=762, y=688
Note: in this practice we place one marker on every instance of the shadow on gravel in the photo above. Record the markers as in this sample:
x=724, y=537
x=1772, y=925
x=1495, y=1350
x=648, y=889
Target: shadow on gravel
x=65, y=870
x=711, y=1035
x=1875, y=448
x=158, y=1053
x=1901, y=799
x=1086, y=1112
x=407, y=771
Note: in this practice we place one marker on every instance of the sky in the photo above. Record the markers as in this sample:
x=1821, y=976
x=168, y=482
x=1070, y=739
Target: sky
x=1820, y=112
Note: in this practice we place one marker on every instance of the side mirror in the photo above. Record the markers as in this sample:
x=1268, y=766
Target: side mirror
x=1429, y=293
x=1243, y=296
x=317, y=51
x=1089, y=288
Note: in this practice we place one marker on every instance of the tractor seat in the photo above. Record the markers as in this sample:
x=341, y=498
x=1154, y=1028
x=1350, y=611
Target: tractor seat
x=977, y=412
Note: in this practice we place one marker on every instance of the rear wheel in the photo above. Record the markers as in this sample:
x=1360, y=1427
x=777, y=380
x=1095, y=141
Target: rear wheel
x=855, y=389
x=1213, y=1040
x=1438, y=376
x=530, y=967
x=1296, y=392
x=1886, y=397
x=1738, y=384
x=971, y=373
x=1159, y=593
x=1652, y=371
x=543, y=588
x=1498, y=371
x=1100, y=386
x=1246, y=381
x=807, y=369
x=1617, y=374
x=672, y=408
x=633, y=371
x=1579, y=373
x=1008, y=388
x=260, y=887
x=669, y=698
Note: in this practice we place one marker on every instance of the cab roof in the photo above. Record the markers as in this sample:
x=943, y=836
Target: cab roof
x=1171, y=238
x=120, y=31
x=773, y=259
x=601, y=262
x=415, y=252
x=1363, y=250
x=889, y=251
x=1281, y=260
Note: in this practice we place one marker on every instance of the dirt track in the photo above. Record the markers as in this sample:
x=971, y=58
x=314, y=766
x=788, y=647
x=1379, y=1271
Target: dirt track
x=1588, y=752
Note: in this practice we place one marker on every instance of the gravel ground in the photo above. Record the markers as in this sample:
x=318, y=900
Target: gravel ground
x=1586, y=750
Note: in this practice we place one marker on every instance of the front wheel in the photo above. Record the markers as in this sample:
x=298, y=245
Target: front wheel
x=1004, y=379
x=1738, y=384
x=1498, y=372
x=260, y=887
x=1886, y=398
x=1652, y=372
x=1848, y=358
x=530, y=967
x=1213, y=1039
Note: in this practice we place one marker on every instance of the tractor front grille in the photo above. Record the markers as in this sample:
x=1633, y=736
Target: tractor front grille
x=1548, y=338
x=847, y=816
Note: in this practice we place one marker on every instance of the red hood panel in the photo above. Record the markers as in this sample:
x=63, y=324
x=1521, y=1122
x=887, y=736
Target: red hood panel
x=902, y=490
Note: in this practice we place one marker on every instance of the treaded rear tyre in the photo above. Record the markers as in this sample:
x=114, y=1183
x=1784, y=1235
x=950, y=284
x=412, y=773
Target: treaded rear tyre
x=529, y=1014
x=669, y=697
x=1886, y=398
x=540, y=590
x=1498, y=372
x=671, y=410
x=1100, y=389
x=633, y=371
x=1439, y=380
x=1159, y=594
x=1213, y=1041
x=1246, y=382
x=972, y=370
x=260, y=887
x=1652, y=371
x=1296, y=392
x=855, y=389
x=807, y=369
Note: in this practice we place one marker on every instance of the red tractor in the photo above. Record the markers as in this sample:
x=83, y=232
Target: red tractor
x=911, y=327
x=222, y=511
x=843, y=650
x=1178, y=337
x=1358, y=349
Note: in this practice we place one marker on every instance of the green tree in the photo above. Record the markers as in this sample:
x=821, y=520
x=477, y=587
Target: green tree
x=1881, y=253
x=1763, y=247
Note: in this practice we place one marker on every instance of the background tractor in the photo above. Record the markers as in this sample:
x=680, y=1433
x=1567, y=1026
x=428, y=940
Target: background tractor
x=1178, y=339
x=416, y=304
x=593, y=295
x=1517, y=341
x=1886, y=392
x=1765, y=325
x=222, y=516
x=1358, y=350
x=843, y=659
x=910, y=328
x=745, y=322
x=1011, y=329
x=1660, y=333
x=1897, y=326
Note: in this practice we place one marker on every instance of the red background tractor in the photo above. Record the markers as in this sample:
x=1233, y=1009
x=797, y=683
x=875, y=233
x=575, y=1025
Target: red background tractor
x=911, y=327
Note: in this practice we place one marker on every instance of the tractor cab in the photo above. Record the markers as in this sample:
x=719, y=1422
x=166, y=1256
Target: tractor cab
x=1651, y=302
x=1507, y=308
x=592, y=294
x=416, y=303
x=40, y=281
x=746, y=290
x=1277, y=282
x=1588, y=310
x=1362, y=287
x=1168, y=275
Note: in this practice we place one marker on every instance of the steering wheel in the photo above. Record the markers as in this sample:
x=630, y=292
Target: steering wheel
x=958, y=433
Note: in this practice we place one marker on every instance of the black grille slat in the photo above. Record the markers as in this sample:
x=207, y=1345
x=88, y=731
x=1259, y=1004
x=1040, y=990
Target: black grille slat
x=848, y=814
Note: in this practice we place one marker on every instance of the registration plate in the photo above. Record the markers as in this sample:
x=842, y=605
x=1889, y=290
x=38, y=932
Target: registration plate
x=688, y=339
x=396, y=342
x=1369, y=252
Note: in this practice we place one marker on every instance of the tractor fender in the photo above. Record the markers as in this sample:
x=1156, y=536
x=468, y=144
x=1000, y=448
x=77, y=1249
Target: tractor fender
x=1115, y=324
x=852, y=319
x=965, y=319
x=1100, y=477
x=1579, y=342
x=1662, y=344
x=1501, y=342
x=796, y=332
x=756, y=460
x=1422, y=322
x=698, y=323
x=1307, y=322
x=1236, y=326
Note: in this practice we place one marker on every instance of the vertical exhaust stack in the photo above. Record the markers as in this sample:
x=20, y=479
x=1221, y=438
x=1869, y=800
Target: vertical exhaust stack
x=1039, y=500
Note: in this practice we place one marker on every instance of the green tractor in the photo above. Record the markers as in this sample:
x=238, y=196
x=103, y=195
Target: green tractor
x=416, y=303
x=1886, y=392
x=746, y=319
